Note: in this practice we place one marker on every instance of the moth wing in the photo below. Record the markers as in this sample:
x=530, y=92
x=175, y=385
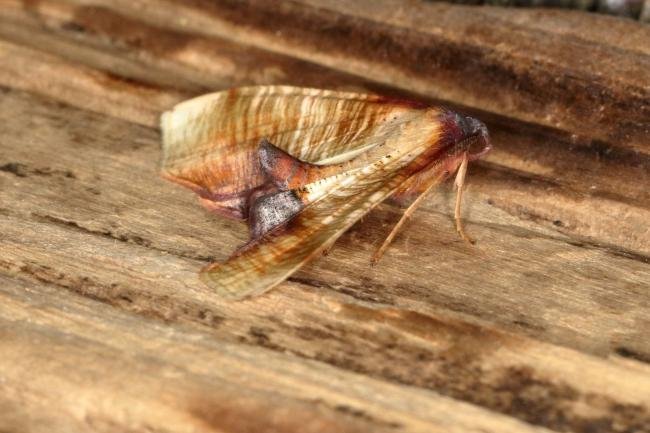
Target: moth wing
x=210, y=143
x=269, y=260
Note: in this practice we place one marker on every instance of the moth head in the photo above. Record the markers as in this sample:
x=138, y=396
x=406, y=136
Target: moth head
x=465, y=134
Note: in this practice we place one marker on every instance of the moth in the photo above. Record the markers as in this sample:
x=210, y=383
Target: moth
x=302, y=165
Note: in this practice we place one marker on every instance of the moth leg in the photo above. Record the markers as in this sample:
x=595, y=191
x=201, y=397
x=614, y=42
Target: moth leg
x=405, y=216
x=460, y=183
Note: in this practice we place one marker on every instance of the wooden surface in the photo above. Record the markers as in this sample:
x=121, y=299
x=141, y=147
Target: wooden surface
x=543, y=325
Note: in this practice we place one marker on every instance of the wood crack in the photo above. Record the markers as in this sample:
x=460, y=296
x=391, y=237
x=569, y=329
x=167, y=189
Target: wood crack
x=148, y=305
x=123, y=237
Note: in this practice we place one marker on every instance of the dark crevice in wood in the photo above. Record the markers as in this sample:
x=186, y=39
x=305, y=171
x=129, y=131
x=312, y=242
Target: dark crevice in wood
x=632, y=354
x=610, y=249
x=619, y=252
x=122, y=237
x=360, y=414
x=556, y=138
x=357, y=292
x=14, y=168
x=573, y=240
x=562, y=186
x=23, y=170
x=157, y=307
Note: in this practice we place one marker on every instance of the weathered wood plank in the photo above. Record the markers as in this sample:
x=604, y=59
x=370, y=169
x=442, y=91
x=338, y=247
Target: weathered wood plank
x=150, y=376
x=529, y=323
x=475, y=56
x=89, y=215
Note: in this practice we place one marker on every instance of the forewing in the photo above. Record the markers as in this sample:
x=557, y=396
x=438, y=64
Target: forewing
x=210, y=143
x=266, y=262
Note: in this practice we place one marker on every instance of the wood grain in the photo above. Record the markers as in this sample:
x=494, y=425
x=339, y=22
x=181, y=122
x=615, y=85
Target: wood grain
x=541, y=326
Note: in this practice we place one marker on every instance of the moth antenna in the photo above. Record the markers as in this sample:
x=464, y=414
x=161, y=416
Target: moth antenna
x=407, y=214
x=460, y=183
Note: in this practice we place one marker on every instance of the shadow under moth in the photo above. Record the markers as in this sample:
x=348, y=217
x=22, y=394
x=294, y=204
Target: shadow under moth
x=303, y=165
